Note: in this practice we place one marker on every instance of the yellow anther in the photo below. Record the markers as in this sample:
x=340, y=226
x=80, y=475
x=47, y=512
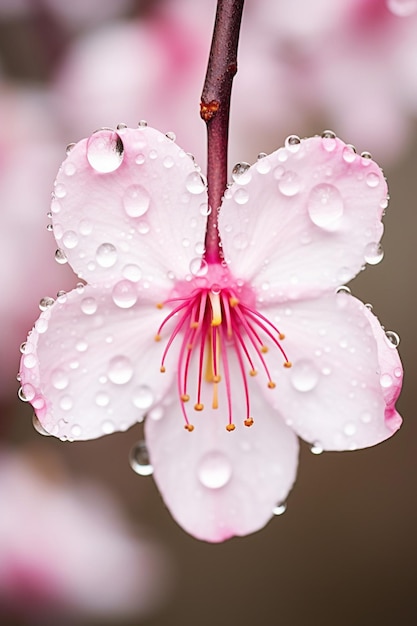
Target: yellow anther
x=281, y=336
x=199, y=406
x=264, y=349
x=230, y=427
x=185, y=397
x=216, y=379
x=160, y=305
x=271, y=384
x=162, y=369
x=189, y=427
x=233, y=301
x=253, y=373
x=287, y=364
x=157, y=337
x=249, y=421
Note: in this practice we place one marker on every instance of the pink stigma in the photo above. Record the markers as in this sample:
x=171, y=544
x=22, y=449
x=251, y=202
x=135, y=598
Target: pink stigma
x=210, y=321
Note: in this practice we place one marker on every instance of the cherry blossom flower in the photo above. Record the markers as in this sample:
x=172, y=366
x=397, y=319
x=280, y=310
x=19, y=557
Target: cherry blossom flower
x=63, y=543
x=250, y=345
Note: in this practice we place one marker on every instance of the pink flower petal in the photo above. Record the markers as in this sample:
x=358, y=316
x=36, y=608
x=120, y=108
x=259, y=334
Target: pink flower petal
x=218, y=484
x=345, y=378
x=127, y=205
x=91, y=367
x=303, y=219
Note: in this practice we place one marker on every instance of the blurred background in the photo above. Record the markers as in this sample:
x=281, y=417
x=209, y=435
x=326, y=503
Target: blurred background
x=83, y=539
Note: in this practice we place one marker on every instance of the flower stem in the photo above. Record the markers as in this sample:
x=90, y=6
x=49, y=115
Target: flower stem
x=215, y=109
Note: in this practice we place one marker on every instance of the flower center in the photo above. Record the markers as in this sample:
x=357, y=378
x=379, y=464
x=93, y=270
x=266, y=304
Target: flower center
x=211, y=322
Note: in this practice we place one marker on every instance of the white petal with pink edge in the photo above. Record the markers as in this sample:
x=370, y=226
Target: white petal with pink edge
x=91, y=368
x=218, y=484
x=304, y=219
x=130, y=204
x=345, y=377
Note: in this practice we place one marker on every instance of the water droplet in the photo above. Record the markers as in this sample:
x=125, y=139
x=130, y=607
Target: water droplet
x=49, y=228
x=349, y=154
x=139, y=459
x=289, y=183
x=29, y=361
x=263, y=166
x=329, y=140
x=241, y=173
x=142, y=397
x=168, y=162
x=89, y=305
x=279, y=509
x=205, y=209
x=195, y=183
x=198, y=267
x=140, y=159
x=344, y=289
x=304, y=376
x=325, y=206
x=398, y=372
x=316, y=448
x=156, y=413
x=60, y=190
x=102, y=398
x=60, y=257
x=23, y=347
x=85, y=227
x=292, y=143
x=386, y=381
x=366, y=417
x=241, y=196
x=136, y=200
x=106, y=255
x=121, y=126
x=46, y=303
x=124, y=294
x=214, y=470
x=120, y=370
x=373, y=253
x=69, y=147
x=170, y=135
x=349, y=429
x=76, y=430
x=59, y=379
x=132, y=272
x=38, y=426
x=372, y=179
x=393, y=338
x=105, y=150
x=153, y=154
x=81, y=345
x=80, y=287
x=69, y=169
x=70, y=239
x=108, y=427
x=26, y=392
x=402, y=8
x=66, y=403
x=367, y=156
x=142, y=124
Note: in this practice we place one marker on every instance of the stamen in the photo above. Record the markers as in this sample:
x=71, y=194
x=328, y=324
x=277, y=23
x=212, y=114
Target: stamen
x=189, y=427
x=248, y=421
x=216, y=309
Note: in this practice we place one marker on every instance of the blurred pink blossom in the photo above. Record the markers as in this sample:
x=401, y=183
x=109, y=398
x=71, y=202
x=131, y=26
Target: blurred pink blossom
x=30, y=151
x=165, y=327
x=66, y=550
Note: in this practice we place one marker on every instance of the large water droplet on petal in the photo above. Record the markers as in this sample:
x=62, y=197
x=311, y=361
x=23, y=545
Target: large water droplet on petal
x=136, y=200
x=46, y=303
x=214, y=470
x=59, y=378
x=293, y=143
x=89, y=305
x=304, y=375
x=70, y=239
x=106, y=255
x=198, y=267
x=120, y=370
x=241, y=196
x=393, y=338
x=124, y=294
x=38, y=426
x=139, y=459
x=325, y=206
x=279, y=509
x=105, y=150
x=60, y=257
